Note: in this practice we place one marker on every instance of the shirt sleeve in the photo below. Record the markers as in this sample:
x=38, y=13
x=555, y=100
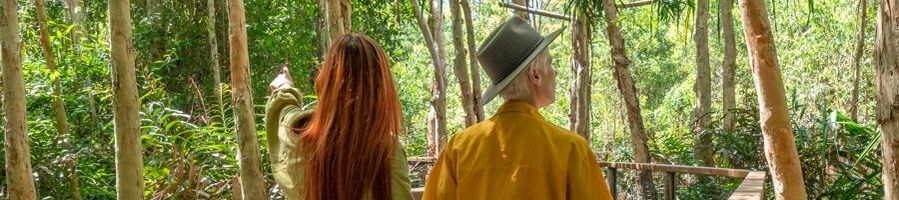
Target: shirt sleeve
x=585, y=179
x=400, y=185
x=441, y=181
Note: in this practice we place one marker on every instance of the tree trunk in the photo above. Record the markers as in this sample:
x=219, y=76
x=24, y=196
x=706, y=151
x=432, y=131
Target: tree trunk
x=213, y=52
x=18, y=157
x=780, y=149
x=61, y=117
x=460, y=68
x=857, y=61
x=76, y=13
x=473, y=60
x=338, y=17
x=322, y=29
x=252, y=183
x=126, y=112
x=581, y=87
x=702, y=149
x=157, y=49
x=886, y=63
x=522, y=14
x=645, y=186
x=729, y=64
x=433, y=35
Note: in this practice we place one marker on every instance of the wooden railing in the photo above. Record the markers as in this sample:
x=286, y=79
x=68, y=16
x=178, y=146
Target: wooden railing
x=752, y=187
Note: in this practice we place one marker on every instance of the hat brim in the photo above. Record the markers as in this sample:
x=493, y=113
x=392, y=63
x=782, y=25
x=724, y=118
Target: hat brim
x=494, y=89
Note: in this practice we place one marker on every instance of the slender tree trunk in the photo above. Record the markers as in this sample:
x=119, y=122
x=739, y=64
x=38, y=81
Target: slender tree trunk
x=338, y=17
x=645, y=186
x=252, y=183
x=886, y=63
x=126, y=112
x=703, y=87
x=15, y=127
x=213, y=52
x=62, y=120
x=729, y=64
x=857, y=61
x=60, y=115
x=76, y=12
x=433, y=35
x=581, y=87
x=460, y=67
x=157, y=43
x=523, y=14
x=473, y=60
x=780, y=149
x=321, y=26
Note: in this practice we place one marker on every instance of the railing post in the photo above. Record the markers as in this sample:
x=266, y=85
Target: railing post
x=613, y=180
x=669, y=186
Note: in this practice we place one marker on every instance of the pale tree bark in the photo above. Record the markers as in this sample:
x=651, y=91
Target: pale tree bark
x=15, y=127
x=473, y=60
x=886, y=65
x=728, y=64
x=214, y=53
x=433, y=36
x=702, y=148
x=337, y=15
x=645, y=186
x=252, y=183
x=460, y=67
x=579, y=114
x=76, y=12
x=523, y=14
x=857, y=60
x=322, y=29
x=777, y=134
x=60, y=115
x=126, y=112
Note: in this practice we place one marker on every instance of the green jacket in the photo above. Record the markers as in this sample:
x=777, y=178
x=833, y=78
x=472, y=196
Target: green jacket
x=284, y=109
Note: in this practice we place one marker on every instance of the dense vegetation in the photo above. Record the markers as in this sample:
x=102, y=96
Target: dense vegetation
x=189, y=145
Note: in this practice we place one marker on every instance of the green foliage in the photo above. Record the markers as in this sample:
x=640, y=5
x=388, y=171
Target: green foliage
x=189, y=146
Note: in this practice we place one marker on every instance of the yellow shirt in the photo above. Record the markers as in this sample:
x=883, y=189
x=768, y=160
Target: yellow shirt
x=516, y=154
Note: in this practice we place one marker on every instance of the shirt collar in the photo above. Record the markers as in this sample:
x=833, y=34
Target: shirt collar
x=519, y=107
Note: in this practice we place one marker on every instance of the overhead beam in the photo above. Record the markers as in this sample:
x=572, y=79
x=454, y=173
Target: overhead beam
x=535, y=11
x=635, y=4
x=550, y=14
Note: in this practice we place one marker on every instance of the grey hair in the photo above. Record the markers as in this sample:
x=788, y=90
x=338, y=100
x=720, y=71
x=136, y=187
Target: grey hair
x=518, y=87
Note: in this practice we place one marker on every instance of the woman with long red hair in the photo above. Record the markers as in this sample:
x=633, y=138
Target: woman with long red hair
x=347, y=147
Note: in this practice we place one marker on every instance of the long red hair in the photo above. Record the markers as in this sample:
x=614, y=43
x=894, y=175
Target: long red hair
x=351, y=137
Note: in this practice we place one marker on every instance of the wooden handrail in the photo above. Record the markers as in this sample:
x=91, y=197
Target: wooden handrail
x=734, y=173
x=752, y=187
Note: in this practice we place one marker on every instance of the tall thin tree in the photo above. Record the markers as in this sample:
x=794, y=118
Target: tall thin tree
x=433, y=34
x=728, y=64
x=252, y=183
x=15, y=126
x=473, y=60
x=857, y=60
x=777, y=134
x=579, y=113
x=59, y=107
x=645, y=185
x=126, y=111
x=886, y=65
x=702, y=148
x=214, y=53
x=460, y=67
